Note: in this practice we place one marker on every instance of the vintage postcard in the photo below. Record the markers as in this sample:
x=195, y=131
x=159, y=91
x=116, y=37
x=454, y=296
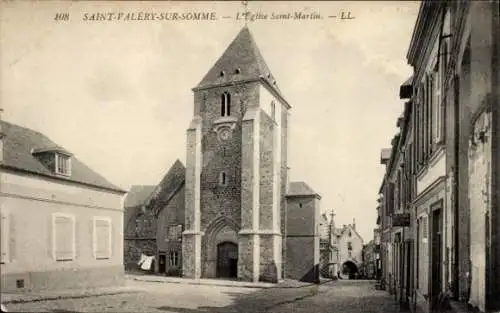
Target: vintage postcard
x=249, y=156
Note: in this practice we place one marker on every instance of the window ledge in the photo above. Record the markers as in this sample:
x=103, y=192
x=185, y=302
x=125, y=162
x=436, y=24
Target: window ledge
x=225, y=120
x=431, y=160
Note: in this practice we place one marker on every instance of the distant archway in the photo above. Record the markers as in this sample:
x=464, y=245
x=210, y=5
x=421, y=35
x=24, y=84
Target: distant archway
x=349, y=269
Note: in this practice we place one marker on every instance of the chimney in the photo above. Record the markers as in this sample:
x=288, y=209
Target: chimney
x=353, y=223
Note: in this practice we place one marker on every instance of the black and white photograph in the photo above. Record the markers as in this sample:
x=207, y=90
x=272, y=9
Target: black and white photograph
x=250, y=156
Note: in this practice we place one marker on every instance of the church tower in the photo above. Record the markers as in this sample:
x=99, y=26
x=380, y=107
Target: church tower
x=236, y=169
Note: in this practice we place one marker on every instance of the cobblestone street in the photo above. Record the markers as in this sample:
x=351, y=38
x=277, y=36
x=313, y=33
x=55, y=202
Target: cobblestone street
x=340, y=296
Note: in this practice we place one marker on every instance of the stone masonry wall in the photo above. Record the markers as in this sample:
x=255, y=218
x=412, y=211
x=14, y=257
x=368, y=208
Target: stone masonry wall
x=139, y=237
x=223, y=156
x=284, y=183
x=133, y=249
x=302, y=242
x=219, y=200
x=266, y=172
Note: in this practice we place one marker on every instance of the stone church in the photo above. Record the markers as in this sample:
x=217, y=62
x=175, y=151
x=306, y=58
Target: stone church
x=236, y=189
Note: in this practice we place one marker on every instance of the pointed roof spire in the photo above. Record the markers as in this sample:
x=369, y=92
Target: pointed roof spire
x=240, y=61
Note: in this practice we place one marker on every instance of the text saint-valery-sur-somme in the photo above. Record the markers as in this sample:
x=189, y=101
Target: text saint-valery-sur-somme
x=150, y=16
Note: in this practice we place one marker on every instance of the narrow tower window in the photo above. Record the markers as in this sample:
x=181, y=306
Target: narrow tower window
x=222, y=179
x=273, y=110
x=225, y=109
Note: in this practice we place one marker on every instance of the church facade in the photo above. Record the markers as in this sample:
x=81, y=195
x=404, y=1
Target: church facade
x=236, y=169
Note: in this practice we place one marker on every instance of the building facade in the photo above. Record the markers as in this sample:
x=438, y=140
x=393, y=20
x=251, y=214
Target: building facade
x=139, y=233
x=350, y=250
x=369, y=261
x=154, y=221
x=302, y=258
x=61, y=221
x=449, y=133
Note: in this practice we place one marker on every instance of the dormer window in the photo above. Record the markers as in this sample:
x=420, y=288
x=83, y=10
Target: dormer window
x=225, y=108
x=57, y=160
x=63, y=164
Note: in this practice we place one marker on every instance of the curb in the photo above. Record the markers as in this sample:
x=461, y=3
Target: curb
x=64, y=297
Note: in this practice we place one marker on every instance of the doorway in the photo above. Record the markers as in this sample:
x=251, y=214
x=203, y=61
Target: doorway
x=227, y=260
x=436, y=257
x=162, y=260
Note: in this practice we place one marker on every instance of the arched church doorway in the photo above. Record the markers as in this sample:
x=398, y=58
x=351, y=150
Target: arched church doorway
x=349, y=269
x=227, y=260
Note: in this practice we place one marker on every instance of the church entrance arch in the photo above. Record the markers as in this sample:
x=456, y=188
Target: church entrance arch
x=227, y=260
x=220, y=256
x=349, y=269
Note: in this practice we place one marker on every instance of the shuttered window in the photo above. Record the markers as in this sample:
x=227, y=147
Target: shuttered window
x=5, y=238
x=175, y=233
x=425, y=229
x=102, y=238
x=64, y=237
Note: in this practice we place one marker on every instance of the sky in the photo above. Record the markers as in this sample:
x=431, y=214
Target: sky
x=117, y=94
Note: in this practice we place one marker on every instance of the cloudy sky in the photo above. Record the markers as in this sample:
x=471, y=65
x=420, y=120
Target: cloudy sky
x=118, y=93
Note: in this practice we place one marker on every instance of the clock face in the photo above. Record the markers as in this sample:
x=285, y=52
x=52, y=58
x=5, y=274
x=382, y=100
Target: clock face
x=225, y=134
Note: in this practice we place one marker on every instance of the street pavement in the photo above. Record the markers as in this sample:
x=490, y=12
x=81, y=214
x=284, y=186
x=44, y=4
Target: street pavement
x=331, y=297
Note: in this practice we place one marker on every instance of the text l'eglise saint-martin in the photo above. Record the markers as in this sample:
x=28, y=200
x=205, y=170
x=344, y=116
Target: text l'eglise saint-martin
x=150, y=16
x=298, y=15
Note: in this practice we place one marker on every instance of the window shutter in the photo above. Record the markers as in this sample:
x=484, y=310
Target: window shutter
x=437, y=107
x=103, y=239
x=420, y=124
x=425, y=228
x=432, y=132
x=64, y=238
x=5, y=238
x=51, y=248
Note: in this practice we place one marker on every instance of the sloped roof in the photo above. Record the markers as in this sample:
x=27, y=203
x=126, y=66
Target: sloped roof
x=244, y=55
x=352, y=229
x=138, y=195
x=300, y=188
x=19, y=143
x=135, y=198
x=167, y=187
